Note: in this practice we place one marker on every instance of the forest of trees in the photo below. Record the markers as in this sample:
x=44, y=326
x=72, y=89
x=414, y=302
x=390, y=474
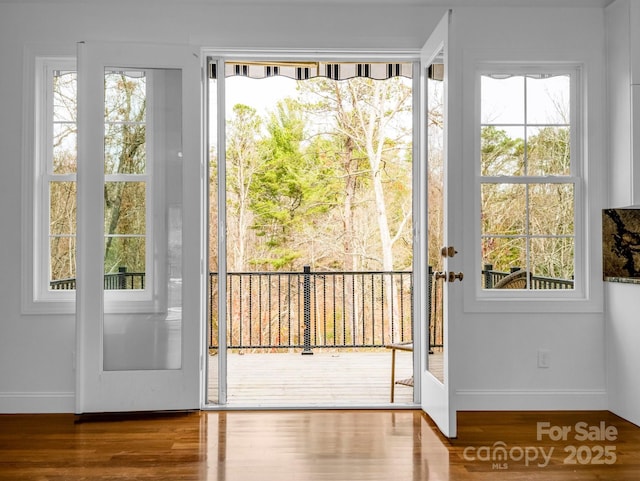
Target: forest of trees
x=323, y=179
x=125, y=197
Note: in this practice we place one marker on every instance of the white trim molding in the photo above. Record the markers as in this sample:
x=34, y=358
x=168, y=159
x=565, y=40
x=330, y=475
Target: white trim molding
x=531, y=399
x=37, y=402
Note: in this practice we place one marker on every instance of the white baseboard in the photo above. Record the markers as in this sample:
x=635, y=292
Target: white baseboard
x=531, y=400
x=466, y=400
x=37, y=402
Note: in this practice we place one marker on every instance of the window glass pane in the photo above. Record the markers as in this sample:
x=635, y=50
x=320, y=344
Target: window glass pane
x=62, y=252
x=551, y=209
x=62, y=208
x=57, y=199
x=503, y=209
x=65, y=143
x=125, y=208
x=64, y=96
x=502, y=99
x=548, y=151
x=124, y=254
x=502, y=151
x=548, y=99
x=552, y=262
x=125, y=148
x=65, y=148
x=504, y=254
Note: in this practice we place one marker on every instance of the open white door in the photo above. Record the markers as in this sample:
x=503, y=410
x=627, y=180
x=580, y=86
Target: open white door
x=435, y=316
x=139, y=289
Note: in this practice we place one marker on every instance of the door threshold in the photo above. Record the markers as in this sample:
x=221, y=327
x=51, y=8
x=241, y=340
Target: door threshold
x=310, y=407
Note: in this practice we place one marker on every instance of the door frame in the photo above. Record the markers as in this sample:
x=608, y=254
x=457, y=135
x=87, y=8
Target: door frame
x=230, y=54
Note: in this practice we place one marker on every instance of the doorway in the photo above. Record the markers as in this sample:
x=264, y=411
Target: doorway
x=310, y=232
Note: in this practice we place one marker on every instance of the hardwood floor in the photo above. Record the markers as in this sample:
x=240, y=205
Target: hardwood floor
x=318, y=445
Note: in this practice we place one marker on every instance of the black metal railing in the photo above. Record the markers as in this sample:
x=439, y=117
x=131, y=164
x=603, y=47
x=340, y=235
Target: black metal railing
x=121, y=280
x=491, y=278
x=308, y=310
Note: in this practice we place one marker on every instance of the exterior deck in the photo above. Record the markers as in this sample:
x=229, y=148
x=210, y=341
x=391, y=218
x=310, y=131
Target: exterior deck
x=326, y=378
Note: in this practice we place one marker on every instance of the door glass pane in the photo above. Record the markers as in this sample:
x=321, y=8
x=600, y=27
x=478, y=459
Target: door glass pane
x=142, y=219
x=436, y=213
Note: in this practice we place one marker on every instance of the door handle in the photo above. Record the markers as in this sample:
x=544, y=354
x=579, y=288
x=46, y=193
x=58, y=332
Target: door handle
x=448, y=251
x=453, y=276
x=440, y=275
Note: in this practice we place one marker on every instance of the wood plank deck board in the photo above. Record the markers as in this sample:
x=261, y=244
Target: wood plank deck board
x=326, y=377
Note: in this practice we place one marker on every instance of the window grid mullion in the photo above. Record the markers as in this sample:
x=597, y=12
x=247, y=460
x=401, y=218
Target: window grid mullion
x=530, y=181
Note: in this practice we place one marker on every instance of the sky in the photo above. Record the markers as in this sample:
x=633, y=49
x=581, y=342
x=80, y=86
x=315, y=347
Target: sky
x=262, y=94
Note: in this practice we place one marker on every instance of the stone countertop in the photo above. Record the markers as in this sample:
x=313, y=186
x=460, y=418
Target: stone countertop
x=624, y=280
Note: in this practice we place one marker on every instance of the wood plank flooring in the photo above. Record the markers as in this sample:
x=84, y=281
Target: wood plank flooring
x=334, y=378
x=316, y=446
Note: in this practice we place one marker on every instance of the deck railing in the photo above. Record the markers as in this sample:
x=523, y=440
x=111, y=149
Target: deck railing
x=491, y=278
x=120, y=280
x=308, y=310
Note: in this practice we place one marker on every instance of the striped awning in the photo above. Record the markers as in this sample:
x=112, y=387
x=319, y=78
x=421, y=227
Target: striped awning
x=308, y=70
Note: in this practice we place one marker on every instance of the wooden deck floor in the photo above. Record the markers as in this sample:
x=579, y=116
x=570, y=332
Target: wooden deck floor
x=326, y=378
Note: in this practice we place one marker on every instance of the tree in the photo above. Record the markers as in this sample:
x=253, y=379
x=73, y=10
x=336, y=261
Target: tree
x=543, y=210
x=62, y=193
x=125, y=153
x=365, y=114
x=244, y=159
x=435, y=173
x=291, y=189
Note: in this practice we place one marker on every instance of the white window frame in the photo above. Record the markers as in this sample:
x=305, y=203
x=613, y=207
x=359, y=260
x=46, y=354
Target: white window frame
x=576, y=177
x=37, y=298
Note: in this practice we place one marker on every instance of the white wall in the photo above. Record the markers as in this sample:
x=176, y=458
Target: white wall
x=495, y=364
x=498, y=368
x=623, y=300
x=36, y=361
